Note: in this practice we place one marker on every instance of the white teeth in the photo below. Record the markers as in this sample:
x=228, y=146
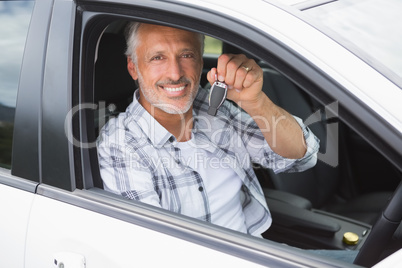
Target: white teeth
x=174, y=89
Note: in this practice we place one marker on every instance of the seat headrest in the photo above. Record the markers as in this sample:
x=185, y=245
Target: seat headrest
x=113, y=83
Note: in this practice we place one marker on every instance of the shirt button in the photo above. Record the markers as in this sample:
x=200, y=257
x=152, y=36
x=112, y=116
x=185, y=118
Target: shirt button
x=200, y=189
x=171, y=139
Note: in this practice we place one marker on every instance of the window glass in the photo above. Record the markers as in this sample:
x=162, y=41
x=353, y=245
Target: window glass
x=212, y=46
x=374, y=26
x=14, y=22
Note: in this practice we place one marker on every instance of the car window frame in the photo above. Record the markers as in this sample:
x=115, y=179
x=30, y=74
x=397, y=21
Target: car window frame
x=280, y=58
x=26, y=148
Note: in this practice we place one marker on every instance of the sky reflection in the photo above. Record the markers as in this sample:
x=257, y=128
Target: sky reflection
x=14, y=22
x=374, y=26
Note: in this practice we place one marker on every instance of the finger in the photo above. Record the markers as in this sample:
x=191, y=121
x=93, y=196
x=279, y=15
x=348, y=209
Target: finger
x=222, y=66
x=211, y=75
x=253, y=74
x=245, y=74
x=232, y=70
x=241, y=74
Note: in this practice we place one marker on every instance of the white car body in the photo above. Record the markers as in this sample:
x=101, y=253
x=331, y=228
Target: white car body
x=45, y=226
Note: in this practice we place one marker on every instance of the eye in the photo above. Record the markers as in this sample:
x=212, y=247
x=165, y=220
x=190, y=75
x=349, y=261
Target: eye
x=187, y=55
x=156, y=58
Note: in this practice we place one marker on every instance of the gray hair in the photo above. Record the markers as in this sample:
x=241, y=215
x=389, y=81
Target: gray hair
x=133, y=41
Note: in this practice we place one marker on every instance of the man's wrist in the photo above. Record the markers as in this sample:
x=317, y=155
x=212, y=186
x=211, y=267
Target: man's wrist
x=257, y=107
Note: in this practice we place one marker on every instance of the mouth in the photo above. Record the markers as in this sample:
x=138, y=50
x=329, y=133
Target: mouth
x=174, y=90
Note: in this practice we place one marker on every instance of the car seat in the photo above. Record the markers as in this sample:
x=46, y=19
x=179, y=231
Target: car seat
x=114, y=87
x=319, y=184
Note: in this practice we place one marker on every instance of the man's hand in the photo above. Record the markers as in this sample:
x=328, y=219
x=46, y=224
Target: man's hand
x=243, y=76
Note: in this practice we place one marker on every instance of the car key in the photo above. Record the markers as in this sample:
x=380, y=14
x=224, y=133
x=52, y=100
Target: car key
x=217, y=96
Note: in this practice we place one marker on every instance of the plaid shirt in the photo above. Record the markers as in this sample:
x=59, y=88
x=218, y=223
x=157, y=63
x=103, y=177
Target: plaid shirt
x=139, y=160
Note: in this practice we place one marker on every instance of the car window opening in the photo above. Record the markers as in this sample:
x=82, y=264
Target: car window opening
x=330, y=187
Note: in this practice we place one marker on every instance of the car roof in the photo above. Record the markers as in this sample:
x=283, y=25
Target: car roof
x=303, y=4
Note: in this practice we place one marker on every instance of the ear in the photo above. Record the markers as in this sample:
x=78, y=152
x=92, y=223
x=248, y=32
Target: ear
x=132, y=69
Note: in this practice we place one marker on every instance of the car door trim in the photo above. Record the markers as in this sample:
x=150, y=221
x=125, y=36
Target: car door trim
x=264, y=252
x=6, y=178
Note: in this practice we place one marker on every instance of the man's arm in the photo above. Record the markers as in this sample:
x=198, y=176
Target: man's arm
x=244, y=78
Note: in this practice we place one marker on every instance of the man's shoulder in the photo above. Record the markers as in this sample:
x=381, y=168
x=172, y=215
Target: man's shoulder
x=121, y=128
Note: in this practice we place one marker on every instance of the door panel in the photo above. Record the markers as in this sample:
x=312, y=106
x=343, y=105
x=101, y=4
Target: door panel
x=15, y=205
x=59, y=230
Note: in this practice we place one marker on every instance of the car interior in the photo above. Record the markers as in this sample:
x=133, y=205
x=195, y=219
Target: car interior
x=345, y=192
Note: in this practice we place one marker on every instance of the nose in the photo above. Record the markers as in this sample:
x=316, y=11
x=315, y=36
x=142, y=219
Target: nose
x=175, y=69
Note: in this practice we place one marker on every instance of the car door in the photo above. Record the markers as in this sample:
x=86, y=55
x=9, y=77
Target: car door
x=71, y=223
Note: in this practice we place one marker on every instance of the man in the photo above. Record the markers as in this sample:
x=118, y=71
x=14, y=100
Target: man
x=166, y=150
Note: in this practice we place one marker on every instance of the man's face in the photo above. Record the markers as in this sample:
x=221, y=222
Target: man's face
x=168, y=68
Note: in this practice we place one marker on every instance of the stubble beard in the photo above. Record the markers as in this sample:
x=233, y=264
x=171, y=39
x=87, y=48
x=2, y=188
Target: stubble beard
x=152, y=97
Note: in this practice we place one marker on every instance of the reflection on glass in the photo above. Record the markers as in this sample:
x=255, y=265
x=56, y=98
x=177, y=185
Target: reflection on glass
x=374, y=26
x=14, y=22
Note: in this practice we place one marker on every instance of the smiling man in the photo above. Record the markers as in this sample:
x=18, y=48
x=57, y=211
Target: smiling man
x=171, y=63
x=165, y=150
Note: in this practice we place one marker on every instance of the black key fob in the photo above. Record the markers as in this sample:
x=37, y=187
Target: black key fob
x=217, y=96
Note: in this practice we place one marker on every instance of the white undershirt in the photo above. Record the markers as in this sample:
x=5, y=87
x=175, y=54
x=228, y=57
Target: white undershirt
x=222, y=185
